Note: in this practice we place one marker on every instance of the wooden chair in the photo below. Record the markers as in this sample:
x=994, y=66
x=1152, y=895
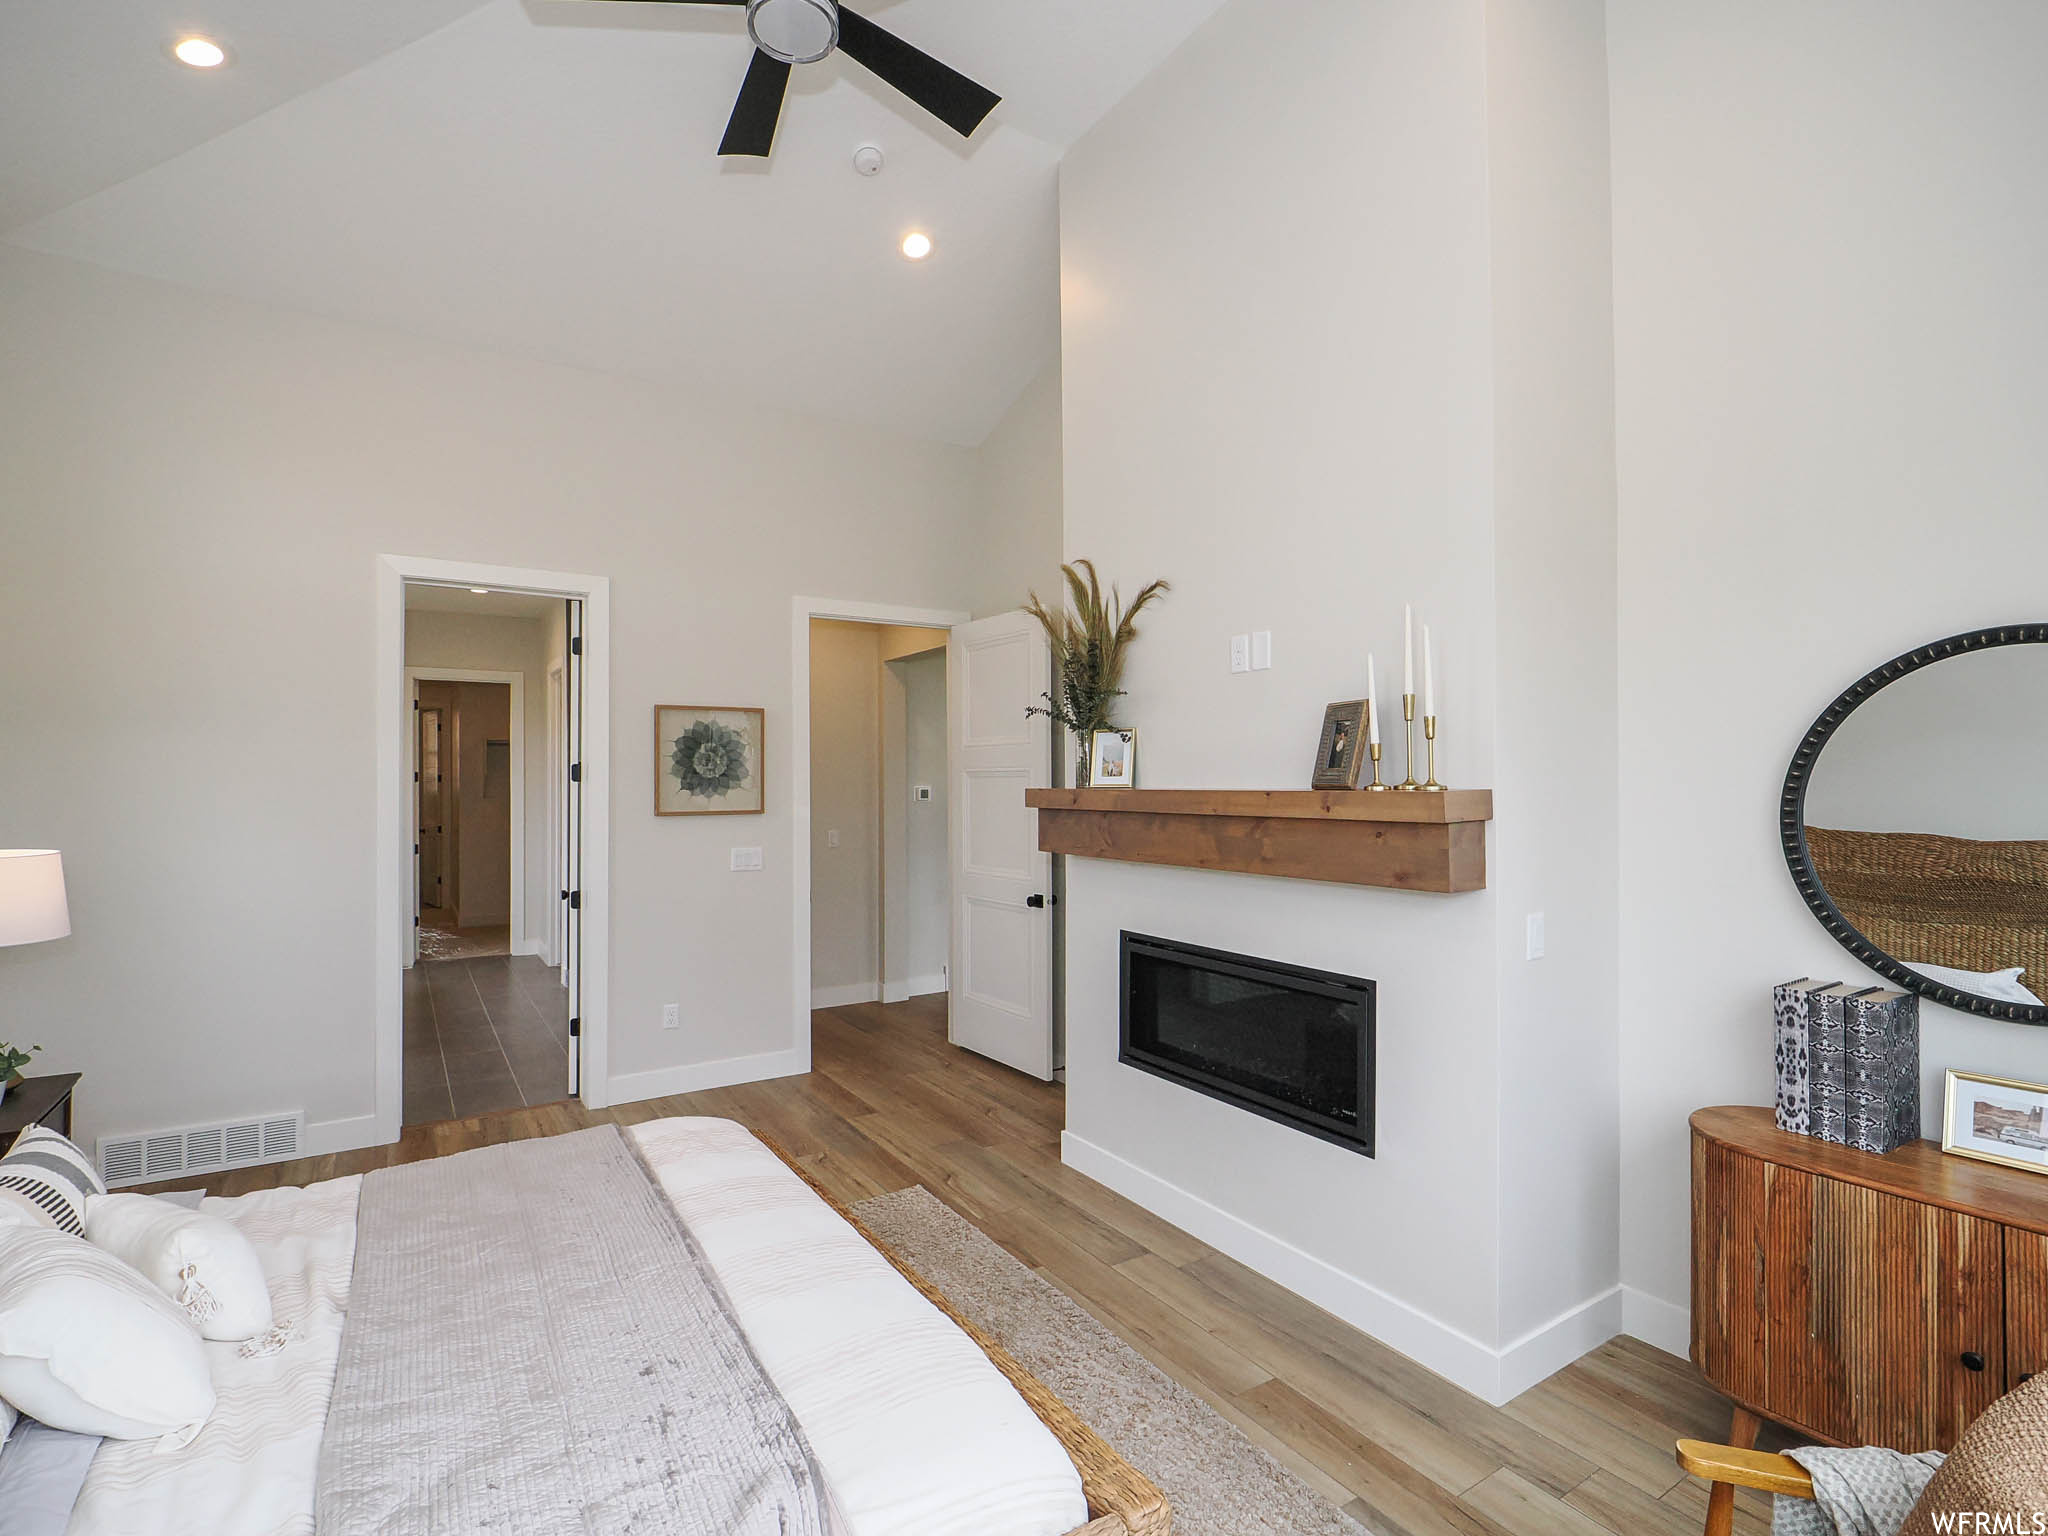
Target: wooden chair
x=1728, y=1467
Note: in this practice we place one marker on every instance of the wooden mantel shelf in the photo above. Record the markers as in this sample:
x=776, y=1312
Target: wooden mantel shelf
x=1409, y=842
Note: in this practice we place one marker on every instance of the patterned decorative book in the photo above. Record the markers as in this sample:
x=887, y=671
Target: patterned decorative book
x=1875, y=1071
x=1827, y=1059
x=1789, y=1010
x=1906, y=1073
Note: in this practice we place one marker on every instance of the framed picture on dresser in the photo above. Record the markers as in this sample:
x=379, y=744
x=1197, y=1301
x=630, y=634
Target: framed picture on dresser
x=1995, y=1119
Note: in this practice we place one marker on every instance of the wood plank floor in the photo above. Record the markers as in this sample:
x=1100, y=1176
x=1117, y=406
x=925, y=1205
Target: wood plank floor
x=889, y=1103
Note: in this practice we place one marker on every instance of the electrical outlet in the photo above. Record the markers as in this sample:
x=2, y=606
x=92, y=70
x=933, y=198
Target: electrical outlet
x=1240, y=653
x=832, y=838
x=1535, y=932
x=746, y=858
x=671, y=1015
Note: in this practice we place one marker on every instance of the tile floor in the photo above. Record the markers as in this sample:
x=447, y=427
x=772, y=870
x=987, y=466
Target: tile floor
x=483, y=1035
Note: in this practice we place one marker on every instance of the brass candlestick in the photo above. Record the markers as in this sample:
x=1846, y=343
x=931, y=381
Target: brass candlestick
x=1374, y=749
x=1408, y=714
x=1429, y=735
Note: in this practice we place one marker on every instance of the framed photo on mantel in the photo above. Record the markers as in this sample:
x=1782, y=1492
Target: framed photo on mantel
x=708, y=760
x=1113, y=760
x=1341, y=747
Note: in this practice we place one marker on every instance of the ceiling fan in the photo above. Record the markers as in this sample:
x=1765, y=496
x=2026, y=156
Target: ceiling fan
x=787, y=32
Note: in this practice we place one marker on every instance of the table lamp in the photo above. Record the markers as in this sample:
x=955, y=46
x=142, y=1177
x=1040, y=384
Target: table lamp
x=32, y=905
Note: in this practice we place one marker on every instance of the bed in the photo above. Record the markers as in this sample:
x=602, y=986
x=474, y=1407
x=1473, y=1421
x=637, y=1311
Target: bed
x=1932, y=900
x=915, y=1422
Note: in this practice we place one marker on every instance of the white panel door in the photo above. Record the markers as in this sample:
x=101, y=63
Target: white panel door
x=1001, y=992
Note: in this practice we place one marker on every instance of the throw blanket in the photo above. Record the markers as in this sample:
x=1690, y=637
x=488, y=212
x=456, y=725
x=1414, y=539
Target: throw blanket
x=1862, y=1492
x=534, y=1345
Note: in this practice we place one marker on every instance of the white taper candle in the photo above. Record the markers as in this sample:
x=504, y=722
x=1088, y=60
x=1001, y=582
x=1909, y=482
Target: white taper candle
x=1372, y=702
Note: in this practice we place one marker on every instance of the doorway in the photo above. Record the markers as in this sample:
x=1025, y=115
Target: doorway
x=879, y=876
x=471, y=834
x=490, y=895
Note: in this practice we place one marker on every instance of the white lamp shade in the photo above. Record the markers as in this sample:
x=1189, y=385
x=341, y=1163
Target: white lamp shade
x=32, y=905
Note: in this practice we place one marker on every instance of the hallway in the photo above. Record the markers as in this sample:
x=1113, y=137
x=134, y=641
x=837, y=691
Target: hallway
x=482, y=1035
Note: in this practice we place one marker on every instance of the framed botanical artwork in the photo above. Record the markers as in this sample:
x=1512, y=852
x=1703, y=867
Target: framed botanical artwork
x=708, y=760
x=1113, y=760
x=1341, y=747
x=1996, y=1119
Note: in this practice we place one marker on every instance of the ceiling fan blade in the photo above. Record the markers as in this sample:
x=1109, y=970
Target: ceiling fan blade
x=751, y=128
x=947, y=94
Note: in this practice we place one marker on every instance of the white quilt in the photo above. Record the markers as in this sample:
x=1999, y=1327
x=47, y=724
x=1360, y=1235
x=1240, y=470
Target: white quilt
x=917, y=1434
x=250, y=1472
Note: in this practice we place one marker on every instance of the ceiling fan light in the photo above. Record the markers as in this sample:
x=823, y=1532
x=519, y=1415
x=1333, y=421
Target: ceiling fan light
x=794, y=31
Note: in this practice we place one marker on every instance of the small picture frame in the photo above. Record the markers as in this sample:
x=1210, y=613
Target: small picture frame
x=1340, y=750
x=708, y=760
x=1113, y=760
x=1996, y=1120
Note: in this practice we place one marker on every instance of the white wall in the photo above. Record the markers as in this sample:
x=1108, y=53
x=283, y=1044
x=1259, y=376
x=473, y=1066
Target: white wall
x=1832, y=367
x=1957, y=748
x=846, y=770
x=1020, y=494
x=496, y=644
x=1556, y=767
x=195, y=492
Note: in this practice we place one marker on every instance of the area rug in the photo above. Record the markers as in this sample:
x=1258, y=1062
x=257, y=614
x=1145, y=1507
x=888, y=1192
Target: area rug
x=1220, y=1483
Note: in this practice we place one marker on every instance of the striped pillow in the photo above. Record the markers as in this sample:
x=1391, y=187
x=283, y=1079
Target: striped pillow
x=44, y=1181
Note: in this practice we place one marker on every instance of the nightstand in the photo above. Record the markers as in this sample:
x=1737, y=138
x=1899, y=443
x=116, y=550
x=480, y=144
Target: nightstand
x=37, y=1101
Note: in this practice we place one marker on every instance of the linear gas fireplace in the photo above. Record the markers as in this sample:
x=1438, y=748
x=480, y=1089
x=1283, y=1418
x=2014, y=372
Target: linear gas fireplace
x=1291, y=1044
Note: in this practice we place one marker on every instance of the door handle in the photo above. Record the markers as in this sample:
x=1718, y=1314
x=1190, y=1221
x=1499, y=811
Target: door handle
x=1036, y=899
x=1972, y=1361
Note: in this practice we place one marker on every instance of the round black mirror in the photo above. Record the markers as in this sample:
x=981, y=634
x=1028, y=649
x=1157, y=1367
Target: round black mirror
x=1915, y=821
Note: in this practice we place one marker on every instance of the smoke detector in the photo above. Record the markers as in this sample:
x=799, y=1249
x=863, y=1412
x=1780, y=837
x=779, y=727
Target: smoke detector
x=868, y=160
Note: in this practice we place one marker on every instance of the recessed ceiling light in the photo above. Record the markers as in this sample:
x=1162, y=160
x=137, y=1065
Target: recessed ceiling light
x=917, y=245
x=481, y=591
x=200, y=52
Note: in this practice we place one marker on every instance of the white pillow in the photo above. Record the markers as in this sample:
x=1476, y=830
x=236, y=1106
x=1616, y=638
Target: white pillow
x=1999, y=986
x=202, y=1263
x=88, y=1345
x=7, y=1418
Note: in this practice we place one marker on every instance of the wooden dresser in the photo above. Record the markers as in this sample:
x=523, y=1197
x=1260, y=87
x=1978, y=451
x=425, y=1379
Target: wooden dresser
x=1857, y=1299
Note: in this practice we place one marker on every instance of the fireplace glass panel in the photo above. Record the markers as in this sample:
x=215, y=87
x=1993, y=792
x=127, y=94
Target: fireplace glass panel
x=1292, y=1044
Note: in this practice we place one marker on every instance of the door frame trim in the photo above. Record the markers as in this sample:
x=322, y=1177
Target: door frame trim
x=516, y=682
x=394, y=783
x=802, y=611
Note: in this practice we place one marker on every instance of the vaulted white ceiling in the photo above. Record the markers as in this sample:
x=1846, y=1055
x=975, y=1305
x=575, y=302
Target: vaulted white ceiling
x=541, y=177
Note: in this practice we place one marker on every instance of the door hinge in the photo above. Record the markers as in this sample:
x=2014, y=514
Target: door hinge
x=415, y=775
x=415, y=848
x=575, y=773
x=575, y=901
x=565, y=895
x=415, y=703
x=575, y=1028
x=576, y=646
x=415, y=919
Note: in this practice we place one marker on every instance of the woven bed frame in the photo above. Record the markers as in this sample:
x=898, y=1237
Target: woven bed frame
x=1121, y=1500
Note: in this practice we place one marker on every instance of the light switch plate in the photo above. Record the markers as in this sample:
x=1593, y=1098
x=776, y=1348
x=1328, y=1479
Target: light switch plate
x=746, y=858
x=1262, y=649
x=924, y=791
x=832, y=838
x=671, y=1015
x=1240, y=653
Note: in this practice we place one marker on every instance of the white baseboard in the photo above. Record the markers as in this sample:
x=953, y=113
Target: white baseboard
x=1549, y=1348
x=692, y=1077
x=1656, y=1321
x=1495, y=1375
x=916, y=986
x=530, y=947
x=840, y=997
x=323, y=1138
